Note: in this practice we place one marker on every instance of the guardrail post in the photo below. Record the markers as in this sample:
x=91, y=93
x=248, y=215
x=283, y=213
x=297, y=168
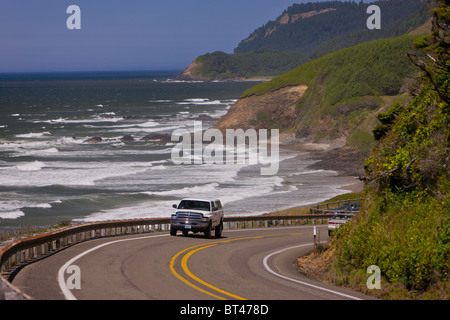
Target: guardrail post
x=314, y=233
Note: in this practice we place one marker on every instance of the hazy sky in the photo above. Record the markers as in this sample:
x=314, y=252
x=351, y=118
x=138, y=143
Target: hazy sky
x=125, y=34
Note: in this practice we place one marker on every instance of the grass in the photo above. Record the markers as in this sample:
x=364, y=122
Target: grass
x=7, y=234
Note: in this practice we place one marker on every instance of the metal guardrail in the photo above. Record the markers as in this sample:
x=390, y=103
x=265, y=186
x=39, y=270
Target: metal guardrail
x=26, y=250
x=326, y=208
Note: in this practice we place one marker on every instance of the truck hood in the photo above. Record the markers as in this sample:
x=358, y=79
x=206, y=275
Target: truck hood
x=205, y=213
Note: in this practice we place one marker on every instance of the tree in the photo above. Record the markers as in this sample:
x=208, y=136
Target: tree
x=433, y=56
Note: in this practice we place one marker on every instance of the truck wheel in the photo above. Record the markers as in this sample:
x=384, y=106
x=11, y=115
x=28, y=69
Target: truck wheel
x=208, y=231
x=218, y=230
x=173, y=232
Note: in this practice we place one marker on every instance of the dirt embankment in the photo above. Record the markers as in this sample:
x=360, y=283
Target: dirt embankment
x=256, y=111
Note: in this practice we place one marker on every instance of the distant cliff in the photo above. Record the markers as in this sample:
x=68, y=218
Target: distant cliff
x=192, y=73
x=263, y=63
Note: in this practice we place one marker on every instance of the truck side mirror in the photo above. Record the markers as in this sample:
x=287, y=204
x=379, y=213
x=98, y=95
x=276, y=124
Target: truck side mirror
x=174, y=206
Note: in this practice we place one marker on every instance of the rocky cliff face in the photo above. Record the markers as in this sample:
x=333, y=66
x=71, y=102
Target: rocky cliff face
x=272, y=110
x=189, y=73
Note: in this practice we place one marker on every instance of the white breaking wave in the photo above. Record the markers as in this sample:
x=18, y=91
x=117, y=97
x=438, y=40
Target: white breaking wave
x=187, y=191
x=201, y=102
x=12, y=209
x=68, y=173
x=139, y=211
x=94, y=120
x=34, y=135
x=31, y=166
x=41, y=152
x=196, y=99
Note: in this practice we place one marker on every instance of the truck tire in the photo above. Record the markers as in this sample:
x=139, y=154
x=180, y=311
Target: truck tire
x=208, y=231
x=218, y=230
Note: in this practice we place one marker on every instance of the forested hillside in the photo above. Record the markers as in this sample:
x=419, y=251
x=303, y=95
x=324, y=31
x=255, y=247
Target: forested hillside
x=261, y=63
x=304, y=27
x=305, y=32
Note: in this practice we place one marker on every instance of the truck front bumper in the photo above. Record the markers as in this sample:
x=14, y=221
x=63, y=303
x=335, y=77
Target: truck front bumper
x=194, y=226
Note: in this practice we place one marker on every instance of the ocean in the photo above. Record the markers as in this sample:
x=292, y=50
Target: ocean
x=86, y=147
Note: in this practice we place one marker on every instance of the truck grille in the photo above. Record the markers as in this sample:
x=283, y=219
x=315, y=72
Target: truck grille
x=189, y=216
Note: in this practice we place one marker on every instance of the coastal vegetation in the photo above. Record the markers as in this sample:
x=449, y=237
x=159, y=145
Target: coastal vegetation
x=261, y=63
x=404, y=227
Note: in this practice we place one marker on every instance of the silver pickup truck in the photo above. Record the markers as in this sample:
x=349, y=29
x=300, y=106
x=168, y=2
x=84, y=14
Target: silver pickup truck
x=197, y=215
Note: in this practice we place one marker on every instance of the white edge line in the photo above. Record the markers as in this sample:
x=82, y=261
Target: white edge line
x=68, y=295
x=266, y=266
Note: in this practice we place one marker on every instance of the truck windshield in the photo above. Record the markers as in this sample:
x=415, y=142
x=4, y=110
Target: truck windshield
x=194, y=205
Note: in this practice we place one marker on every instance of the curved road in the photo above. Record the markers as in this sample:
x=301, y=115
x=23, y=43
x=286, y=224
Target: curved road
x=255, y=264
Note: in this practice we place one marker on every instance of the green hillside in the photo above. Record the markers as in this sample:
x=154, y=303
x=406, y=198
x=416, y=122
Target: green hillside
x=262, y=63
x=374, y=68
x=404, y=227
x=345, y=89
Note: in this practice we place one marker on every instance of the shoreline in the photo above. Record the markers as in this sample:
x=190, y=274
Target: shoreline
x=332, y=155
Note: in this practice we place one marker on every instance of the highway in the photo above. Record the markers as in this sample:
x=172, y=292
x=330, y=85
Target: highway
x=245, y=264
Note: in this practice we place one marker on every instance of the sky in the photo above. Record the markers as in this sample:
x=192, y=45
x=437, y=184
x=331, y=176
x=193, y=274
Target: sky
x=125, y=35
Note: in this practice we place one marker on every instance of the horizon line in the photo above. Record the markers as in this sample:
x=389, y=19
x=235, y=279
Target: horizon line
x=91, y=71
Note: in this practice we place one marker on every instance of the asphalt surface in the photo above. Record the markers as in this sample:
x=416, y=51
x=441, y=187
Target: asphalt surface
x=253, y=264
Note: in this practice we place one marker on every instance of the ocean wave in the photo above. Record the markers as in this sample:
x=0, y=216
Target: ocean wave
x=11, y=214
x=148, y=124
x=91, y=120
x=11, y=209
x=34, y=135
x=314, y=172
x=146, y=209
x=134, y=129
x=41, y=152
x=187, y=191
x=31, y=166
x=159, y=101
x=67, y=173
x=40, y=205
x=200, y=102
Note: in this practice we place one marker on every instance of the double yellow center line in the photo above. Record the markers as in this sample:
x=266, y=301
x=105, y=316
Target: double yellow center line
x=214, y=291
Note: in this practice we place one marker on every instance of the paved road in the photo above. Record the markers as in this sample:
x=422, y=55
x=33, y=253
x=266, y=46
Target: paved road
x=255, y=264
